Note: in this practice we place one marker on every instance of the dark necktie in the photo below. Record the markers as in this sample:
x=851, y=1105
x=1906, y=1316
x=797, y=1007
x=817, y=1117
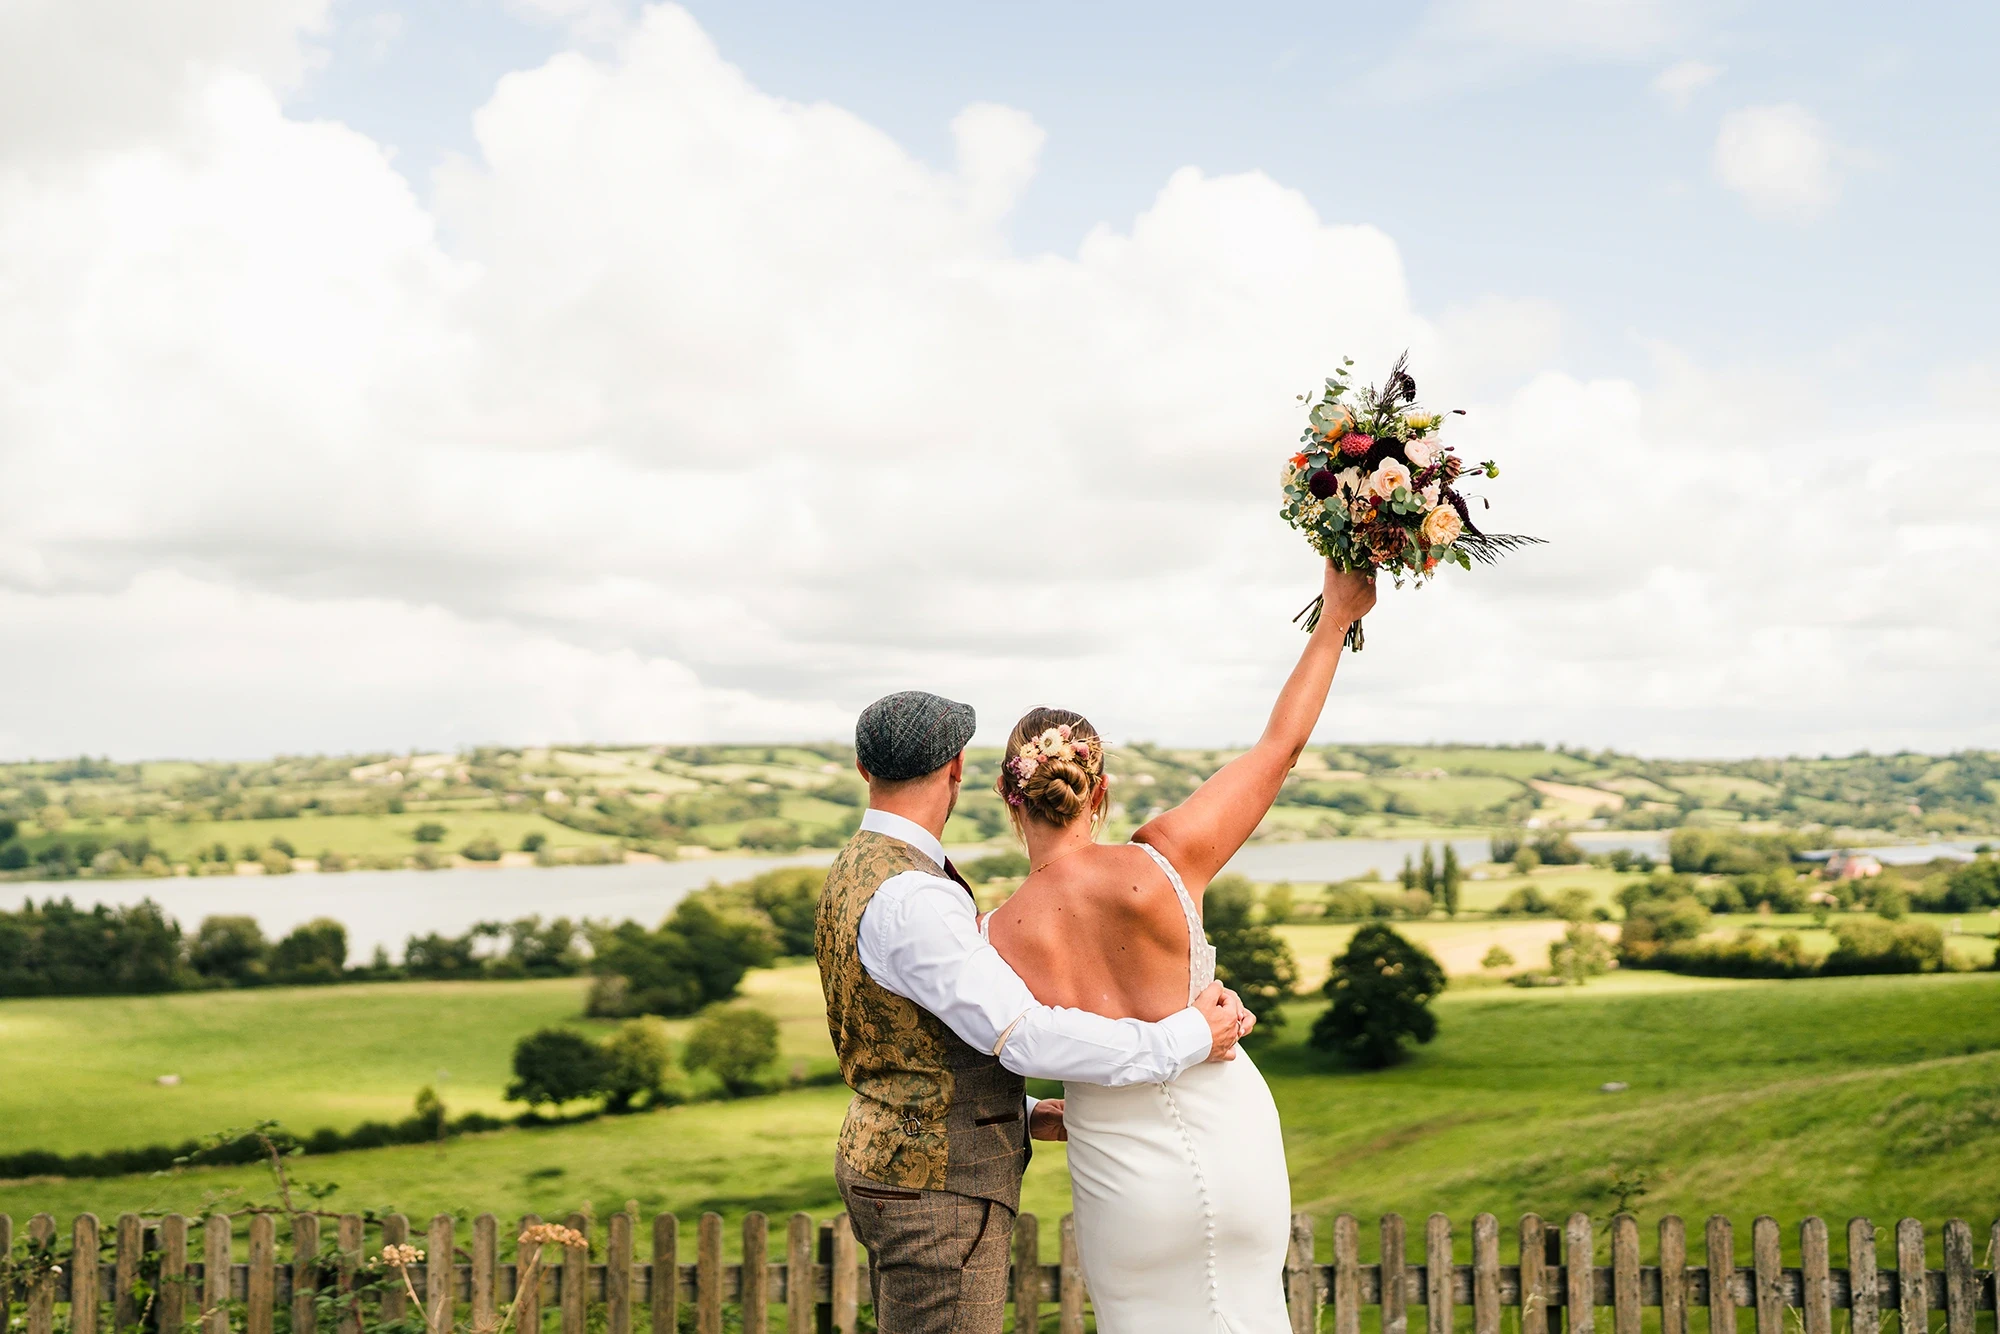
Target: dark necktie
x=957, y=879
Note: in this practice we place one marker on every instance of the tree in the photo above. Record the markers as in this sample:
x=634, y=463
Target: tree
x=230, y=951
x=734, y=1043
x=1580, y=955
x=555, y=1066
x=1497, y=957
x=430, y=831
x=313, y=953
x=638, y=1057
x=1381, y=988
x=1250, y=959
x=696, y=957
x=790, y=899
x=533, y=841
x=1449, y=879
x=1279, y=902
x=1427, y=874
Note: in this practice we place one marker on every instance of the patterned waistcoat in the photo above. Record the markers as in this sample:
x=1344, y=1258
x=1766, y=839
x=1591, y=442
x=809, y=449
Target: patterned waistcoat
x=929, y=1112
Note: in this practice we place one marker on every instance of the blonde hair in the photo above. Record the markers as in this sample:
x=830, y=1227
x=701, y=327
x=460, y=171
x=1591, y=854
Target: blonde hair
x=1058, y=787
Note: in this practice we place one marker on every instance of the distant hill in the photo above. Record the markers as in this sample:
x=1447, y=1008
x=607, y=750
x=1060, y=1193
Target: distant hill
x=568, y=803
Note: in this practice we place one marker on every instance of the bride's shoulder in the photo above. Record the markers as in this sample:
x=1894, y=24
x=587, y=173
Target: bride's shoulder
x=1129, y=881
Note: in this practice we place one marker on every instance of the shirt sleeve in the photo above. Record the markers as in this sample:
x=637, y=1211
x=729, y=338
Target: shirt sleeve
x=919, y=938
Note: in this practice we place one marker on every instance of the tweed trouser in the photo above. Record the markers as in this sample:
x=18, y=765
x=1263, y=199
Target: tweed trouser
x=938, y=1260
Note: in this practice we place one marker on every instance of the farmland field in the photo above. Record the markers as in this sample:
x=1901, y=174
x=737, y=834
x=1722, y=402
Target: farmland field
x=1870, y=1095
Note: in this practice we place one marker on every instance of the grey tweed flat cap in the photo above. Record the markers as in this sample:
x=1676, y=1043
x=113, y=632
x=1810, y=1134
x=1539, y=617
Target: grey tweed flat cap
x=910, y=734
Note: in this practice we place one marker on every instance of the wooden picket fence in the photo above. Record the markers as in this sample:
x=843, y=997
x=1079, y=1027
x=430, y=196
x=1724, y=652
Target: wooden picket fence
x=1556, y=1287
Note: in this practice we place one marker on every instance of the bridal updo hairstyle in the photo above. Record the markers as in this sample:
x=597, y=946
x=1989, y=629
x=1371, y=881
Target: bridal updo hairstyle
x=1053, y=766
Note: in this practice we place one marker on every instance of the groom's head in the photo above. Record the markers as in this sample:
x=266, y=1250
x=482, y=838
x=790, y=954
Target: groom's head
x=910, y=743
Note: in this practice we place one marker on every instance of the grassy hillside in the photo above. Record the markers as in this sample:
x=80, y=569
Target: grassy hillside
x=81, y=817
x=1875, y=1095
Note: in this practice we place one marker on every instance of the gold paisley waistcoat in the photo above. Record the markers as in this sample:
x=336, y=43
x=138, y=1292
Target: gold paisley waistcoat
x=929, y=1112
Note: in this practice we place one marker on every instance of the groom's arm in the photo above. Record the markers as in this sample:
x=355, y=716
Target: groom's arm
x=920, y=939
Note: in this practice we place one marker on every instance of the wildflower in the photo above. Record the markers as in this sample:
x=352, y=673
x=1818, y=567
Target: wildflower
x=1298, y=462
x=554, y=1234
x=401, y=1257
x=1421, y=421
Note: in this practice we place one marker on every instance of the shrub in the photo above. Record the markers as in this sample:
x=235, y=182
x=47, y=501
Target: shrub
x=1008, y=865
x=696, y=957
x=1580, y=955
x=533, y=841
x=1250, y=959
x=1497, y=957
x=485, y=848
x=1573, y=904
x=734, y=1043
x=430, y=831
x=555, y=1066
x=638, y=1057
x=1527, y=901
x=1279, y=902
x=1381, y=988
x=1651, y=924
x=770, y=835
x=275, y=862
x=230, y=951
x=1555, y=848
x=1750, y=954
x=313, y=953
x=1885, y=947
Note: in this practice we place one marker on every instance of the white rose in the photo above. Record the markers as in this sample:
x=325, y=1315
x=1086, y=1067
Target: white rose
x=1422, y=453
x=1388, y=477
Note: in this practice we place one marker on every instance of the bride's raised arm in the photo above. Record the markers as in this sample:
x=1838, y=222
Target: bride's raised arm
x=1202, y=833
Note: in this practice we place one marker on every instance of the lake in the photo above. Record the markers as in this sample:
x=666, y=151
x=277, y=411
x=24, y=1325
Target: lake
x=386, y=908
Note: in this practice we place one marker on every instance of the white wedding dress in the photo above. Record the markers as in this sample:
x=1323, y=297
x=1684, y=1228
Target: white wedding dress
x=1183, y=1204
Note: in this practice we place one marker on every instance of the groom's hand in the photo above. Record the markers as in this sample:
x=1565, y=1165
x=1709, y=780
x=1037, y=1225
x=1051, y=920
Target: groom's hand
x=1046, y=1121
x=1224, y=1013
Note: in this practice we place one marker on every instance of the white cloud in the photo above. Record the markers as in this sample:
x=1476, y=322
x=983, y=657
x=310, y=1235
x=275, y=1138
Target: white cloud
x=720, y=414
x=1679, y=82
x=1780, y=158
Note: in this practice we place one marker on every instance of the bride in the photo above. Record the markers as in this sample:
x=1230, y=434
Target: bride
x=1183, y=1207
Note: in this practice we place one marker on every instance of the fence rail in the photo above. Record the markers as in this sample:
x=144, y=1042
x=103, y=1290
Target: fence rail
x=164, y=1273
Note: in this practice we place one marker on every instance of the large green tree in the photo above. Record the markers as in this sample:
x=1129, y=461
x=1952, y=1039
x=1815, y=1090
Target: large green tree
x=1382, y=987
x=1250, y=958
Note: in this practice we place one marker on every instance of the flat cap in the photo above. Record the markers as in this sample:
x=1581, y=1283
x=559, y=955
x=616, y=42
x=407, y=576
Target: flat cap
x=910, y=734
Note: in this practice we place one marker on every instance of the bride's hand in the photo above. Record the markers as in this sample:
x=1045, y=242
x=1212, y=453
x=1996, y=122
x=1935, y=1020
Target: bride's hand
x=1349, y=597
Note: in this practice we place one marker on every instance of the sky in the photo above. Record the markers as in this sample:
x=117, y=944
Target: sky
x=378, y=376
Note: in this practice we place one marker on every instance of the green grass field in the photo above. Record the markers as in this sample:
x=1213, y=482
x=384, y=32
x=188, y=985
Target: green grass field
x=1876, y=1096
x=356, y=835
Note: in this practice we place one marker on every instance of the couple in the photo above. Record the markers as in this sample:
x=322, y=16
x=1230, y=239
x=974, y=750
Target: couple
x=1095, y=972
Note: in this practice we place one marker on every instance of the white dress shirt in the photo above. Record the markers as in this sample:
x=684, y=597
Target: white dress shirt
x=919, y=938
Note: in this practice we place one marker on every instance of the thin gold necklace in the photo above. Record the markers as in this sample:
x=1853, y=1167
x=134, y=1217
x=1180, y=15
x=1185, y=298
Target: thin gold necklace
x=1032, y=868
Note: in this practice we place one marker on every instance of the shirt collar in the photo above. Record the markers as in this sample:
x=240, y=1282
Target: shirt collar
x=909, y=831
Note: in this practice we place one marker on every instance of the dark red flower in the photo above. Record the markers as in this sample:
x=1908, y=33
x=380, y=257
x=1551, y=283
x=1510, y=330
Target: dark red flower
x=1321, y=483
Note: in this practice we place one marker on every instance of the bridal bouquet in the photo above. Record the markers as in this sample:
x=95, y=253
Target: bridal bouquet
x=1373, y=489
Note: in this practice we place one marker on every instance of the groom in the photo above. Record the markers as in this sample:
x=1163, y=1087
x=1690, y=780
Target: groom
x=935, y=1032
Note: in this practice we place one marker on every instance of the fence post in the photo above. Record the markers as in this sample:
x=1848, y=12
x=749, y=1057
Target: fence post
x=528, y=1279
x=1346, y=1274
x=260, y=1288
x=1816, y=1276
x=1913, y=1288
x=485, y=1285
x=1960, y=1279
x=440, y=1280
x=395, y=1232
x=1395, y=1296
x=845, y=1285
x=1301, y=1292
x=823, y=1311
x=171, y=1304
x=1027, y=1272
x=215, y=1240
x=83, y=1280
x=1625, y=1312
x=799, y=1275
x=1673, y=1275
x=1580, y=1300
x=666, y=1293
x=575, y=1279
x=6, y=1271
x=1721, y=1256
x=1069, y=1288
x=1437, y=1274
x=1768, y=1264
x=1864, y=1292
x=305, y=1273
x=618, y=1274
x=1534, y=1276
x=1485, y=1274
x=708, y=1275
x=348, y=1236
x=756, y=1298
x=41, y=1296
x=125, y=1272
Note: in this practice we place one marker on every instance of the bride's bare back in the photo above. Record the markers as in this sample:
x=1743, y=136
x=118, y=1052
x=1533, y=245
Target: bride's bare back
x=1099, y=930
